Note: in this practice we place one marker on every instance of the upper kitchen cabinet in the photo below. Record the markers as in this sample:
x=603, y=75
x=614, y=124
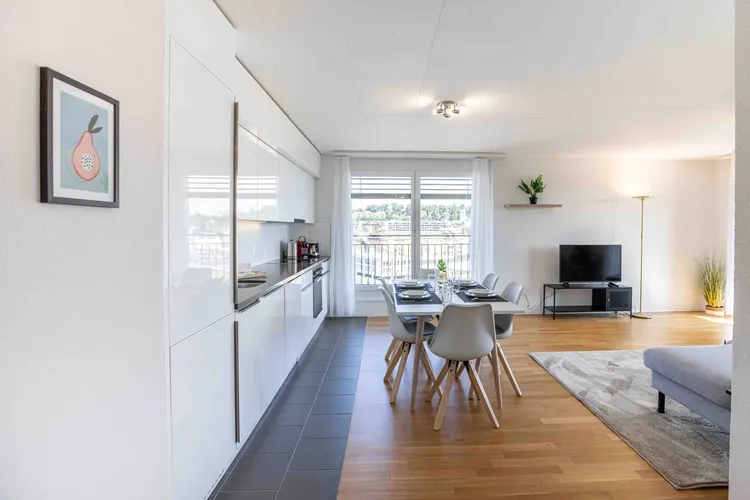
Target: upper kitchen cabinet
x=289, y=195
x=201, y=167
x=247, y=175
x=261, y=116
x=268, y=183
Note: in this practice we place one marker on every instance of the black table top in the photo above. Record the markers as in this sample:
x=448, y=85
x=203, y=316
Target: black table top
x=583, y=286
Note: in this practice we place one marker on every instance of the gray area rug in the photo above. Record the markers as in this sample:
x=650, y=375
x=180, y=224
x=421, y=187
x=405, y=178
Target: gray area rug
x=688, y=450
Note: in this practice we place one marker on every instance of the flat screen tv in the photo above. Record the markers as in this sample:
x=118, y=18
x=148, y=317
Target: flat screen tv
x=581, y=263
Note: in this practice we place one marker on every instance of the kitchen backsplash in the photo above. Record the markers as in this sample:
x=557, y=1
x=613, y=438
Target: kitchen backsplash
x=258, y=243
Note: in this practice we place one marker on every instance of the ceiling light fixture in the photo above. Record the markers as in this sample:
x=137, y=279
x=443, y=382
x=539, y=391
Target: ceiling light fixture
x=447, y=109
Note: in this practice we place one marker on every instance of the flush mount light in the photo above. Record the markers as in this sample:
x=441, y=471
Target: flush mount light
x=447, y=109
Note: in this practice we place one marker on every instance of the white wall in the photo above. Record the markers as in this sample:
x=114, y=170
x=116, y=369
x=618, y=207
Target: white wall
x=684, y=221
x=739, y=480
x=83, y=380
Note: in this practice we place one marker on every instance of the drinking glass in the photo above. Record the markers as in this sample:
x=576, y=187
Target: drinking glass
x=432, y=282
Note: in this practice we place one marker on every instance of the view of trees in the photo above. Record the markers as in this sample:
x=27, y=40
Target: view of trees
x=397, y=211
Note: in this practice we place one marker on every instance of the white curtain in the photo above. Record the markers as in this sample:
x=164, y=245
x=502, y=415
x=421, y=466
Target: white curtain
x=481, y=243
x=729, y=259
x=342, y=265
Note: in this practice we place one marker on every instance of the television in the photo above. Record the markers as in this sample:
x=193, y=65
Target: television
x=581, y=263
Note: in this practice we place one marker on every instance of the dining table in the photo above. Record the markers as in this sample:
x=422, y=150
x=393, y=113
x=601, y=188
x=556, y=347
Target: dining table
x=429, y=308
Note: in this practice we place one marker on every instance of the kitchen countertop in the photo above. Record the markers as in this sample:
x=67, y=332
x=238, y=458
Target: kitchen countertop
x=279, y=273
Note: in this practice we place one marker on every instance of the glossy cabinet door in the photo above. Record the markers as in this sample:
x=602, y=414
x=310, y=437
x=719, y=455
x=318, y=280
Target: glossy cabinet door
x=289, y=194
x=308, y=187
x=294, y=322
x=202, y=409
x=247, y=175
x=268, y=183
x=250, y=338
x=201, y=166
x=270, y=318
x=307, y=312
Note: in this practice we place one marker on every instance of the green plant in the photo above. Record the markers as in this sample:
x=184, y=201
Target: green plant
x=441, y=265
x=713, y=278
x=534, y=187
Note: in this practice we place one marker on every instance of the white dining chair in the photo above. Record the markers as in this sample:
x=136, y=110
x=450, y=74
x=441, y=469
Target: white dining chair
x=405, y=334
x=466, y=332
x=406, y=319
x=504, y=329
x=490, y=281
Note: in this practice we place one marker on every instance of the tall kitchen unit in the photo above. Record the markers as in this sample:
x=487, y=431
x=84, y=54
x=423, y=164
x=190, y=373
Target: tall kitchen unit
x=201, y=284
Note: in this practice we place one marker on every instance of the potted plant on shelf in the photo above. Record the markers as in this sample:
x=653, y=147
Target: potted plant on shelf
x=713, y=285
x=533, y=188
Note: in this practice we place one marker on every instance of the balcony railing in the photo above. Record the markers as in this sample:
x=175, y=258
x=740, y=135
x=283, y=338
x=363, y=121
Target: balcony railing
x=394, y=260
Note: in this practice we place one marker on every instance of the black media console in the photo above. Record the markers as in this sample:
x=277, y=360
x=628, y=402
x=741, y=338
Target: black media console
x=605, y=298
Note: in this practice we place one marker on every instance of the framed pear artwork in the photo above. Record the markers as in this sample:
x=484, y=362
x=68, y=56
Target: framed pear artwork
x=79, y=136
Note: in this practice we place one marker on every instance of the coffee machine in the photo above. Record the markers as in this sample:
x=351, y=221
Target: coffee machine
x=313, y=250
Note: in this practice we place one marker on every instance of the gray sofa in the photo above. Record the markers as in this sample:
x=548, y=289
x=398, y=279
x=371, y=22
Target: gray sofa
x=697, y=377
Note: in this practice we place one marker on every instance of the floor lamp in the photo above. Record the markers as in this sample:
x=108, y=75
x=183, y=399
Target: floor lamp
x=640, y=314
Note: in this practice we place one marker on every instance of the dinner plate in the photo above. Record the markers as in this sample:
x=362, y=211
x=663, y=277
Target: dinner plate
x=414, y=294
x=480, y=292
x=467, y=282
x=412, y=284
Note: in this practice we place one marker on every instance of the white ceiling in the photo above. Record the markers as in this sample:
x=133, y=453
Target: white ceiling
x=617, y=78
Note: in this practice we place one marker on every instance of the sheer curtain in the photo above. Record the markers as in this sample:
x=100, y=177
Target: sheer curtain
x=481, y=242
x=342, y=265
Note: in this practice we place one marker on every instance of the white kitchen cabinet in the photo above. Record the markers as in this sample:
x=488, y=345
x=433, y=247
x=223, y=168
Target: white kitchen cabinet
x=247, y=175
x=326, y=291
x=201, y=166
x=307, y=312
x=268, y=183
x=308, y=187
x=250, y=345
x=289, y=195
x=202, y=409
x=269, y=317
x=294, y=322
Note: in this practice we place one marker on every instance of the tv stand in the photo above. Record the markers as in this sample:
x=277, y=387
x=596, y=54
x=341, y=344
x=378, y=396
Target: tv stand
x=605, y=298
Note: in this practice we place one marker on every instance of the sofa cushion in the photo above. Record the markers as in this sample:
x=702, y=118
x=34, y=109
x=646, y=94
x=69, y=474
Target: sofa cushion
x=705, y=370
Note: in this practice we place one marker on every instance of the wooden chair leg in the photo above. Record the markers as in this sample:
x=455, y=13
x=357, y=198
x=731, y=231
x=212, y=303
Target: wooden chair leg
x=495, y=359
x=401, y=367
x=395, y=357
x=477, y=364
x=390, y=350
x=459, y=371
x=450, y=377
x=428, y=368
x=474, y=377
x=436, y=385
x=506, y=367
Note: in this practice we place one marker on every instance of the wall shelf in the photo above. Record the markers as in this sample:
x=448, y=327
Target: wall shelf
x=529, y=205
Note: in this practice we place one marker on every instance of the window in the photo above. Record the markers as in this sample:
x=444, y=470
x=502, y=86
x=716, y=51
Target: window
x=386, y=208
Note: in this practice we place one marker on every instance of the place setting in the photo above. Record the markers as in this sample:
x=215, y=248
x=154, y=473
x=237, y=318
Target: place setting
x=479, y=294
x=415, y=291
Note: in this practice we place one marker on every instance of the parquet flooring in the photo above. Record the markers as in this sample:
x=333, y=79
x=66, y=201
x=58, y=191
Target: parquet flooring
x=548, y=447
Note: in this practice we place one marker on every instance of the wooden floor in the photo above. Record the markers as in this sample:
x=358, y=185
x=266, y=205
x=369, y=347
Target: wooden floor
x=549, y=446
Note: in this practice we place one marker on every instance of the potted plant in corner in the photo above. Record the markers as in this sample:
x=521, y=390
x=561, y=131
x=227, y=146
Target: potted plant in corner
x=713, y=284
x=533, y=188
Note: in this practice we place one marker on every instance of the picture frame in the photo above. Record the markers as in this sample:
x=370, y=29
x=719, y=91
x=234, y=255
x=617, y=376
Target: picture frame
x=79, y=143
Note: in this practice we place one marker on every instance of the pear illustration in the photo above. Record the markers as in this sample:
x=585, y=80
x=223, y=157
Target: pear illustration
x=85, y=158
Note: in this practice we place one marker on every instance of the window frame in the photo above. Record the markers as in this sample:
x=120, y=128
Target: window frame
x=416, y=175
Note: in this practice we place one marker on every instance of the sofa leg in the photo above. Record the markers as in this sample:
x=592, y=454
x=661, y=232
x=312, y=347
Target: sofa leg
x=662, y=400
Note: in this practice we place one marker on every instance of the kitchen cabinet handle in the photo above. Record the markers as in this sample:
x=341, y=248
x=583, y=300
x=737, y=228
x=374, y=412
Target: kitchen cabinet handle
x=308, y=286
x=257, y=301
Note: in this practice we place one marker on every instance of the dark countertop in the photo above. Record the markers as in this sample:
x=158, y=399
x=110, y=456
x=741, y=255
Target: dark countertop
x=279, y=273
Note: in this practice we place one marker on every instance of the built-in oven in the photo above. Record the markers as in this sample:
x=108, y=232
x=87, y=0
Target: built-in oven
x=317, y=291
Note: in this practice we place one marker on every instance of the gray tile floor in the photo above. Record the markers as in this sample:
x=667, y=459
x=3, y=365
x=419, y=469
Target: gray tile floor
x=298, y=450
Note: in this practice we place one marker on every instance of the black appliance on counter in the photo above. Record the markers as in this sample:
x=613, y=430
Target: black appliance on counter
x=317, y=291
